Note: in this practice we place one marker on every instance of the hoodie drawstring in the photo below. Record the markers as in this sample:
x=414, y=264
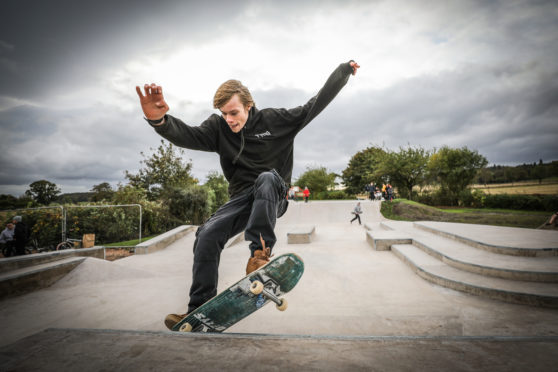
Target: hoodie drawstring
x=241, y=147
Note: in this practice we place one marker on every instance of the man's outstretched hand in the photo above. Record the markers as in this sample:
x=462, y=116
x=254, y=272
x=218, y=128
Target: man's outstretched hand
x=355, y=67
x=152, y=103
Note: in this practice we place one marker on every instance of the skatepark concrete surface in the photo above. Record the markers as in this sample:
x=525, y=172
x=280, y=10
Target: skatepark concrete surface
x=354, y=308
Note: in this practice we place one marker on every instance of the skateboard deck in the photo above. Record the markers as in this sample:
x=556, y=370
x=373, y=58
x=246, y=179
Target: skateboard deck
x=257, y=289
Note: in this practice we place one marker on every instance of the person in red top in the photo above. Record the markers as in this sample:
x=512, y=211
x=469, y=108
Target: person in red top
x=306, y=194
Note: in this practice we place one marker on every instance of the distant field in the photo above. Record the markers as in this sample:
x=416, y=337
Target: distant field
x=527, y=187
x=401, y=209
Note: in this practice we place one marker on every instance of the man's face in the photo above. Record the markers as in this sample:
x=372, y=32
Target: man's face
x=10, y=226
x=235, y=114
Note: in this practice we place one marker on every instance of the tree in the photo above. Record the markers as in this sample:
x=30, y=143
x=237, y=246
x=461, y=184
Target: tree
x=219, y=185
x=191, y=205
x=361, y=169
x=102, y=191
x=539, y=172
x=317, y=179
x=455, y=169
x=43, y=192
x=11, y=202
x=405, y=168
x=163, y=170
x=128, y=194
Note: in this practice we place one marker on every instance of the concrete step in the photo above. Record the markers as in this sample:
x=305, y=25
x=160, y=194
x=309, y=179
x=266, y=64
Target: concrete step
x=28, y=279
x=438, y=272
x=374, y=226
x=301, y=234
x=466, y=257
x=497, y=239
x=383, y=240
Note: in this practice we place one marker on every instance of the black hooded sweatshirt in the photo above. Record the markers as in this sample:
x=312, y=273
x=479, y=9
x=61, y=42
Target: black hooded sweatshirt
x=264, y=143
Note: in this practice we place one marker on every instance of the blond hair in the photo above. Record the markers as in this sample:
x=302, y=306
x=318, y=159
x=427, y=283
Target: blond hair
x=228, y=89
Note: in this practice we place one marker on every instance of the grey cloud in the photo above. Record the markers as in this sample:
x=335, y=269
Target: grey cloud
x=474, y=107
x=499, y=99
x=61, y=43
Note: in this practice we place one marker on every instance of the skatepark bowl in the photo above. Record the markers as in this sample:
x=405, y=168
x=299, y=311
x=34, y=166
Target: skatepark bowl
x=384, y=295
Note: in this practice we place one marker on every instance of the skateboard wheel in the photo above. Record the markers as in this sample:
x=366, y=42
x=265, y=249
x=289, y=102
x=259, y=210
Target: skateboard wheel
x=186, y=327
x=283, y=306
x=256, y=287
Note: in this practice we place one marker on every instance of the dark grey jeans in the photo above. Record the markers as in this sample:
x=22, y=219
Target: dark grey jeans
x=255, y=211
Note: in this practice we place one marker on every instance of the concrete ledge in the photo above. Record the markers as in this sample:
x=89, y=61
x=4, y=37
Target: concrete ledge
x=19, y=262
x=301, y=235
x=163, y=240
x=95, y=350
x=383, y=240
x=494, y=248
x=29, y=279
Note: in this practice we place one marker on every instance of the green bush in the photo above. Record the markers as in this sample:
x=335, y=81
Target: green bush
x=522, y=202
x=471, y=199
x=436, y=198
x=191, y=205
x=332, y=195
x=45, y=225
x=478, y=199
x=109, y=225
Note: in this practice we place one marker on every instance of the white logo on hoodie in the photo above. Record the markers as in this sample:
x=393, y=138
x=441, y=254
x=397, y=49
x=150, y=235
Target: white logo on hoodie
x=265, y=134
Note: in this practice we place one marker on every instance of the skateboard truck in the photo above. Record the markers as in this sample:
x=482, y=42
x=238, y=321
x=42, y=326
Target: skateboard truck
x=257, y=288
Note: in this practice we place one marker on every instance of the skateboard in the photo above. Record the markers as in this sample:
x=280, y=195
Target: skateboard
x=257, y=289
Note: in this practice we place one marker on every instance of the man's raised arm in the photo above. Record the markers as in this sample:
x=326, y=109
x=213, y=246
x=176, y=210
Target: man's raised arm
x=331, y=88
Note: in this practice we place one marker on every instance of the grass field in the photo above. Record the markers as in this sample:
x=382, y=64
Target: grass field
x=547, y=187
x=129, y=243
x=405, y=210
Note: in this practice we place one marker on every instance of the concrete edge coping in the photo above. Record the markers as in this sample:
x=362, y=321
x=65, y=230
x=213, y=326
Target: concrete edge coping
x=162, y=241
x=386, y=226
x=19, y=262
x=303, y=230
x=512, y=251
x=42, y=267
x=500, y=294
x=311, y=337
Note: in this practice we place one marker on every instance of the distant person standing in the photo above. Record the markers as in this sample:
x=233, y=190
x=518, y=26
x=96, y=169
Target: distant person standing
x=6, y=239
x=357, y=211
x=389, y=192
x=371, y=190
x=306, y=194
x=292, y=193
x=21, y=235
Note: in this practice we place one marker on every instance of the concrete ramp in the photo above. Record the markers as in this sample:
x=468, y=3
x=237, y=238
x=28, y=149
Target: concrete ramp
x=104, y=350
x=355, y=308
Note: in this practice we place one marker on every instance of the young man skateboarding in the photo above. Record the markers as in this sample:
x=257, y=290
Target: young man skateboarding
x=255, y=149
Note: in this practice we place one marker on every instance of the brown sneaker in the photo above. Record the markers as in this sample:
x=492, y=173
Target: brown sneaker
x=172, y=319
x=261, y=257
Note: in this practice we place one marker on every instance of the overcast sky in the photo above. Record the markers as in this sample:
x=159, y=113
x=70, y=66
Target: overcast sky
x=481, y=74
